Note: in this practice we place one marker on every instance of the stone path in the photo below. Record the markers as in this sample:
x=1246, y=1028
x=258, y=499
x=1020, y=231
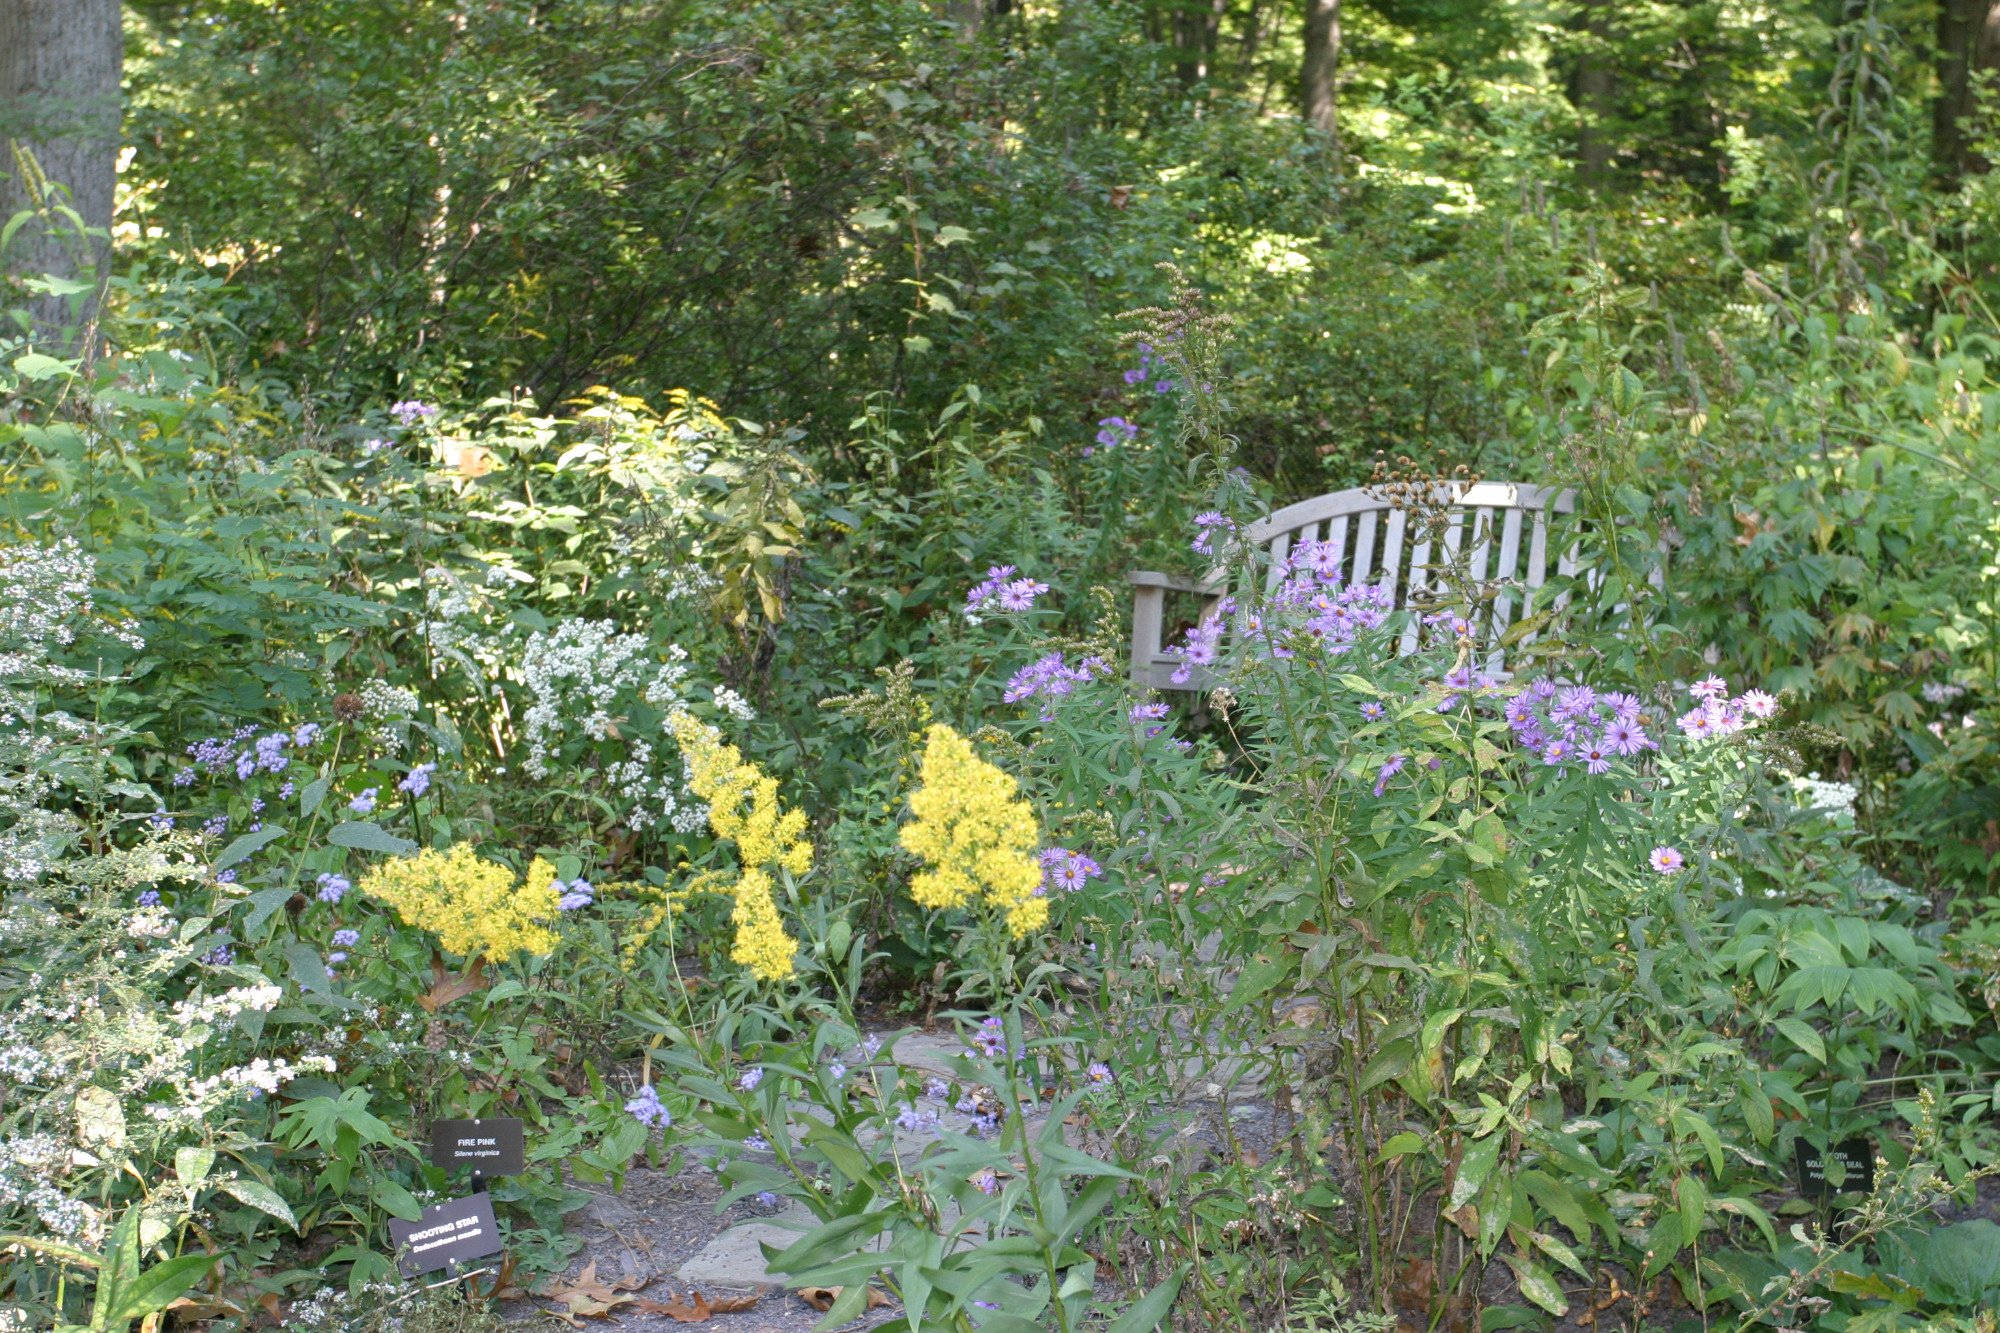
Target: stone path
x=663, y=1229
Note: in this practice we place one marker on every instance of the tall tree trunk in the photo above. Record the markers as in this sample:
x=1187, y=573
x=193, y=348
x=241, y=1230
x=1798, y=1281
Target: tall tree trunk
x=1320, y=67
x=1968, y=43
x=1593, y=91
x=61, y=62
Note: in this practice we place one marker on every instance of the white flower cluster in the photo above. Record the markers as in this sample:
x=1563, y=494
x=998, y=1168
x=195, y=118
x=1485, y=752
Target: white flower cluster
x=214, y=1010
x=1941, y=692
x=150, y=923
x=30, y=1166
x=1828, y=798
x=579, y=675
x=261, y=1077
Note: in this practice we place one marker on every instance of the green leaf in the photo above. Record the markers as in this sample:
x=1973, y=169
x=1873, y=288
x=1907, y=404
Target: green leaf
x=263, y=1198
x=1804, y=1036
x=395, y=1200
x=37, y=366
x=1399, y=1145
x=1481, y=1155
x=1536, y=1284
x=1151, y=1310
x=152, y=1291
x=1257, y=977
x=263, y=905
x=248, y=845
x=192, y=1165
x=365, y=836
x=315, y=792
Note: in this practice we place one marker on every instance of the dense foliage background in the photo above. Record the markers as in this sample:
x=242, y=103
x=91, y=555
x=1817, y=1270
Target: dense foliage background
x=475, y=389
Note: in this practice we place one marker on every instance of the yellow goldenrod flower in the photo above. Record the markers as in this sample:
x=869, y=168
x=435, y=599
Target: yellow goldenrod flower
x=976, y=834
x=475, y=907
x=743, y=807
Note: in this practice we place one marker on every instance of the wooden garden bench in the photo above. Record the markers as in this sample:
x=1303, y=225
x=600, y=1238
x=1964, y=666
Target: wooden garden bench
x=1369, y=534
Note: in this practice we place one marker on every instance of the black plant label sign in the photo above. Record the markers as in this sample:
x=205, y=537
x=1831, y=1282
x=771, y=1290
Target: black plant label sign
x=449, y=1235
x=492, y=1146
x=1856, y=1156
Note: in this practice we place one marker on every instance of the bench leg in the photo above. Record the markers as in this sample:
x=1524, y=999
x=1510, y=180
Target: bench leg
x=1148, y=613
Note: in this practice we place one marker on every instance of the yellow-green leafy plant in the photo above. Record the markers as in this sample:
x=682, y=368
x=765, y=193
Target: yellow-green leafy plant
x=743, y=807
x=976, y=835
x=478, y=909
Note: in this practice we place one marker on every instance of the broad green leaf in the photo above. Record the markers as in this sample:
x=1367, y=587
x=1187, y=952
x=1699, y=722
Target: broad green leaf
x=365, y=836
x=261, y=1197
x=1804, y=1036
x=248, y=845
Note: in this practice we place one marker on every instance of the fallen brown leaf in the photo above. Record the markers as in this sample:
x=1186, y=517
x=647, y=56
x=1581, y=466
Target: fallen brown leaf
x=589, y=1297
x=822, y=1298
x=698, y=1307
x=445, y=988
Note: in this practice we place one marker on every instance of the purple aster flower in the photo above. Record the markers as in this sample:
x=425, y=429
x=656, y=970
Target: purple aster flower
x=1019, y=595
x=991, y=1038
x=1115, y=431
x=1372, y=711
x=985, y=1181
x=1557, y=753
x=1667, y=860
x=1099, y=1074
x=1758, y=704
x=647, y=1110
x=1710, y=687
x=1207, y=524
x=1596, y=759
x=1700, y=724
x=1390, y=769
x=982, y=592
x=1143, y=715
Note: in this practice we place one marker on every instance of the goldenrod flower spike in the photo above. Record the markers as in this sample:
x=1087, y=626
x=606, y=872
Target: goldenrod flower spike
x=743, y=807
x=475, y=907
x=976, y=834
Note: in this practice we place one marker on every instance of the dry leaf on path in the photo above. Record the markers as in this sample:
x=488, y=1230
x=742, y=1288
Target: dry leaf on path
x=698, y=1307
x=589, y=1297
x=822, y=1298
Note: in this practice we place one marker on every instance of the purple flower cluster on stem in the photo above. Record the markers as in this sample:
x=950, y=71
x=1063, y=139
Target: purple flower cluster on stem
x=1067, y=870
x=1049, y=678
x=1574, y=724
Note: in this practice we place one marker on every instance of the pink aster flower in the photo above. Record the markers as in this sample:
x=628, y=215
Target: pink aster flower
x=1667, y=860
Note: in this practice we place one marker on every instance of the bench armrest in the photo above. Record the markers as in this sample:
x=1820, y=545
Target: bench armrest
x=1146, y=578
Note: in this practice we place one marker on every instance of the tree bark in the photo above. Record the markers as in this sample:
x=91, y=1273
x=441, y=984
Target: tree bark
x=61, y=63
x=1968, y=44
x=1593, y=91
x=1320, y=67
